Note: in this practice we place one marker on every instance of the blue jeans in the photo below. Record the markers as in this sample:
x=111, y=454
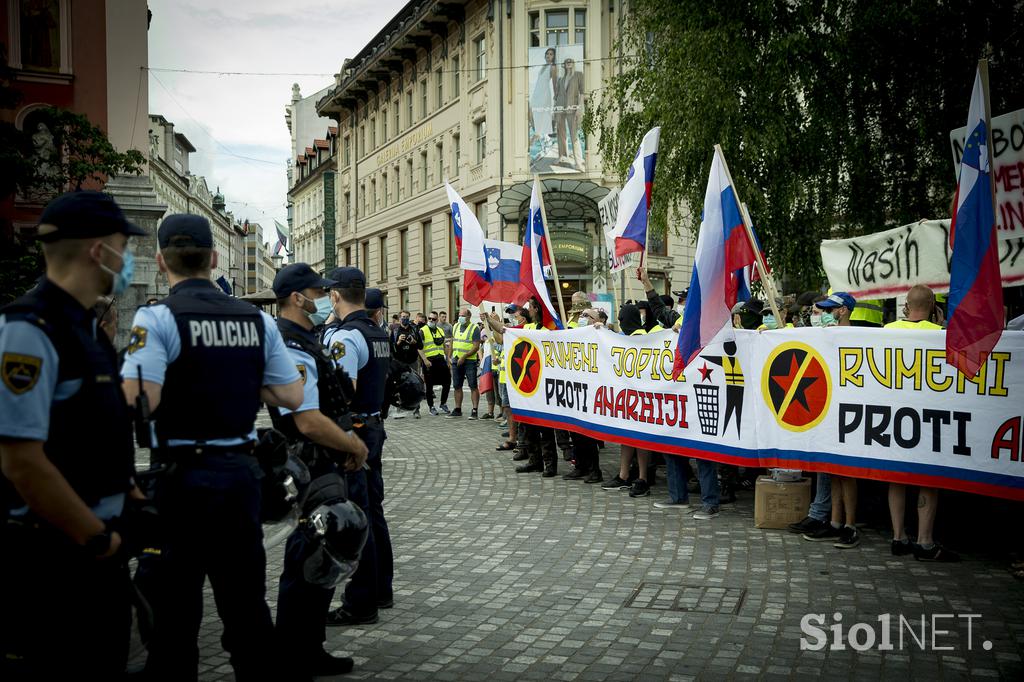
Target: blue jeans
x=675, y=474
x=821, y=507
x=707, y=474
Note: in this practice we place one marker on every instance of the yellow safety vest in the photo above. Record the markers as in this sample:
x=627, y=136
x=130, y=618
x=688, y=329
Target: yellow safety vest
x=639, y=332
x=764, y=327
x=501, y=365
x=463, y=346
x=531, y=325
x=656, y=328
x=907, y=324
x=869, y=310
x=433, y=346
x=573, y=324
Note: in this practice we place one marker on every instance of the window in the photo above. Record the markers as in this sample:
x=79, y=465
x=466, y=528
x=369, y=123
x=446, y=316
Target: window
x=423, y=98
x=384, y=190
x=348, y=255
x=423, y=171
x=557, y=24
x=373, y=195
x=440, y=162
x=362, y=190
x=453, y=252
x=383, y=246
x=408, y=104
x=580, y=27
x=557, y=27
x=427, y=246
x=408, y=169
x=373, y=133
x=440, y=88
x=480, y=50
x=480, y=211
x=362, y=140
x=481, y=140
x=346, y=206
x=657, y=243
x=534, y=29
x=427, y=298
x=403, y=253
x=398, y=118
x=403, y=299
x=454, y=299
x=455, y=77
x=384, y=127
x=365, y=262
x=398, y=183
x=348, y=151
x=39, y=36
x=458, y=152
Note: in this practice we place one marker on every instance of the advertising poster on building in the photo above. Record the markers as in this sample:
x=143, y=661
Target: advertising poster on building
x=867, y=403
x=555, y=109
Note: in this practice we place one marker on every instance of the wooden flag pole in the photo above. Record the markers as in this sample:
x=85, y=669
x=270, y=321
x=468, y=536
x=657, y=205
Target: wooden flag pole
x=550, y=248
x=769, y=282
x=983, y=73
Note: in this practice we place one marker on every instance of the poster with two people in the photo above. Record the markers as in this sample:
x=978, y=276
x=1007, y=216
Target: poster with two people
x=555, y=108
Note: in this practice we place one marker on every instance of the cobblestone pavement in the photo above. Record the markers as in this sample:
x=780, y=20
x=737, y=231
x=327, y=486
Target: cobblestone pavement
x=502, y=576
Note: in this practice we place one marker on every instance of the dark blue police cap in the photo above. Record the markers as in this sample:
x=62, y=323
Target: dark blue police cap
x=185, y=229
x=374, y=299
x=297, y=277
x=84, y=214
x=348, y=277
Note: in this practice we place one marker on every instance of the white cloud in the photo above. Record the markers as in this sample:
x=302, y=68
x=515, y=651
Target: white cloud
x=230, y=116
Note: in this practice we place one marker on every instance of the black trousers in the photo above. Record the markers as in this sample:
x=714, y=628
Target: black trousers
x=212, y=514
x=586, y=452
x=372, y=582
x=540, y=444
x=63, y=615
x=437, y=374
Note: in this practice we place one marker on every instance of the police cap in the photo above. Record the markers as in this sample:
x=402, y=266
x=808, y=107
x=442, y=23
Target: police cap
x=185, y=229
x=375, y=299
x=84, y=214
x=298, y=277
x=348, y=277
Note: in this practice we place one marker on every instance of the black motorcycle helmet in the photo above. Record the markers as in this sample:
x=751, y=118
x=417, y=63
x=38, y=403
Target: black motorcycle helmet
x=341, y=528
x=284, y=487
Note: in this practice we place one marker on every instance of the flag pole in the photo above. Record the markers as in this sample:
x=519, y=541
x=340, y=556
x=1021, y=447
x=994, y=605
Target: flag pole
x=550, y=248
x=769, y=282
x=983, y=73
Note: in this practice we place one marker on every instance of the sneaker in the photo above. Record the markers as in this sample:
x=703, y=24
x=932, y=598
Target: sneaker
x=504, y=434
x=503, y=423
x=826, y=533
x=807, y=525
x=594, y=476
x=487, y=415
x=669, y=504
x=848, y=538
x=575, y=475
x=444, y=408
x=640, y=488
x=936, y=553
x=453, y=414
x=706, y=513
x=398, y=414
x=433, y=411
x=416, y=413
x=472, y=416
x=615, y=484
x=340, y=617
x=901, y=547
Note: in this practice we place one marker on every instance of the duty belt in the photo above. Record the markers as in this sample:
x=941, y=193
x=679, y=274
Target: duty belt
x=183, y=452
x=361, y=420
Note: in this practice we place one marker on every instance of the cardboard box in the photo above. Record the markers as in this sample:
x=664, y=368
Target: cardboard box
x=778, y=504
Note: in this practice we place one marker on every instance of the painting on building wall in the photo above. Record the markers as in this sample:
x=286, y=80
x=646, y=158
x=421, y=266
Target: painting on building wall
x=556, y=109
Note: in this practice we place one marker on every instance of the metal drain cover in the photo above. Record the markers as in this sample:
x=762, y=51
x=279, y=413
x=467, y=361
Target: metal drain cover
x=698, y=598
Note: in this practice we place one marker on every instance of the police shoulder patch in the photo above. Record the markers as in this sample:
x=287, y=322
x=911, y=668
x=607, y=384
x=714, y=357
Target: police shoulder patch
x=137, y=339
x=20, y=373
x=337, y=350
x=302, y=372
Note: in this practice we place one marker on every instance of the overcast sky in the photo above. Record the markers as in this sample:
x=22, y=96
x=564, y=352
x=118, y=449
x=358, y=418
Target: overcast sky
x=227, y=117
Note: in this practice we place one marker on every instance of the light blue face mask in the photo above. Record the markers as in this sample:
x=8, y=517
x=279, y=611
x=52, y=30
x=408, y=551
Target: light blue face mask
x=770, y=322
x=828, y=320
x=323, y=310
x=122, y=279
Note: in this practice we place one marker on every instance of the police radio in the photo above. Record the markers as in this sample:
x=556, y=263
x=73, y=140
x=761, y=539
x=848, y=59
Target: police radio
x=143, y=420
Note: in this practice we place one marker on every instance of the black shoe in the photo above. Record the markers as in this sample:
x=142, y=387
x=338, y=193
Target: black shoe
x=594, y=476
x=616, y=484
x=848, y=538
x=936, y=553
x=640, y=488
x=520, y=456
x=457, y=412
x=325, y=664
x=727, y=497
x=575, y=475
x=472, y=415
x=826, y=533
x=529, y=468
x=550, y=470
x=386, y=603
x=340, y=616
x=901, y=547
x=807, y=525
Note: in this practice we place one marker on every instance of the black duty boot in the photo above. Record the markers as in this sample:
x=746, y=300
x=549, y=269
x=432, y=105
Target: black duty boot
x=529, y=467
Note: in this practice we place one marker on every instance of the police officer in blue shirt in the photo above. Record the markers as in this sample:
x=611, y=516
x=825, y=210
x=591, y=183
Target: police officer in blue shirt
x=302, y=608
x=207, y=360
x=362, y=348
x=67, y=454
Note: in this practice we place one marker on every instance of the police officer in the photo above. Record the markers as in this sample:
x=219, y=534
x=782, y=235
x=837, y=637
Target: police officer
x=67, y=454
x=302, y=607
x=361, y=347
x=207, y=360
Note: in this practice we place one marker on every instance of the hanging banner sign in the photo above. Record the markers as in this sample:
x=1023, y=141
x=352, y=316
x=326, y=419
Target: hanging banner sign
x=887, y=264
x=608, y=208
x=867, y=403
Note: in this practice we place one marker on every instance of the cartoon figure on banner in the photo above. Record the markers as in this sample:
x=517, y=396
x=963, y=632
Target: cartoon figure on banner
x=733, y=384
x=707, y=402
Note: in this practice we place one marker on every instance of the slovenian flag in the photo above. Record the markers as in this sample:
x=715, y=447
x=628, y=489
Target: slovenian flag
x=630, y=231
x=722, y=249
x=531, y=271
x=469, y=238
x=975, y=300
x=501, y=281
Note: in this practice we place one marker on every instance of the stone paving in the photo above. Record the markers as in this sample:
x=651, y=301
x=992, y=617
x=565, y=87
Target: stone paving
x=502, y=576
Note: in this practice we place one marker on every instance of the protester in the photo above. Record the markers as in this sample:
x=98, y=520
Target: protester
x=437, y=362
x=406, y=345
x=465, y=358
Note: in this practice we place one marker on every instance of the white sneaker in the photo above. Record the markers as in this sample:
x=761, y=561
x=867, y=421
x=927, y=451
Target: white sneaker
x=398, y=414
x=668, y=504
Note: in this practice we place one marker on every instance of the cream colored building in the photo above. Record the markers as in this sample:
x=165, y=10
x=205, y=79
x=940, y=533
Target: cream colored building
x=461, y=91
x=311, y=193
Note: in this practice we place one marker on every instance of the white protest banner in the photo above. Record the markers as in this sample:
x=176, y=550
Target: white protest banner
x=868, y=403
x=608, y=209
x=1008, y=176
x=886, y=264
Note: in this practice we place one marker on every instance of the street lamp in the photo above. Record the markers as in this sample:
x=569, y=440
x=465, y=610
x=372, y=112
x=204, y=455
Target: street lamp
x=277, y=259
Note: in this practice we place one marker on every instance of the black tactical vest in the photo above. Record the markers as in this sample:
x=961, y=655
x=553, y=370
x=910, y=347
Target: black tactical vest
x=90, y=438
x=212, y=389
x=372, y=378
x=334, y=386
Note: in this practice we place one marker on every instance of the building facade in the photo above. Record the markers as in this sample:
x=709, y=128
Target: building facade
x=311, y=196
x=260, y=266
x=486, y=95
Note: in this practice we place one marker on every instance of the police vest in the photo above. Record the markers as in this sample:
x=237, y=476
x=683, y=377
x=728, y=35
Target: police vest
x=463, y=344
x=333, y=385
x=433, y=341
x=868, y=311
x=907, y=324
x=371, y=380
x=90, y=437
x=212, y=389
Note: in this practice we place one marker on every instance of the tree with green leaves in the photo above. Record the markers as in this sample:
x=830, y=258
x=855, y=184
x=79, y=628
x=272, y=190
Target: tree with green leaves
x=834, y=116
